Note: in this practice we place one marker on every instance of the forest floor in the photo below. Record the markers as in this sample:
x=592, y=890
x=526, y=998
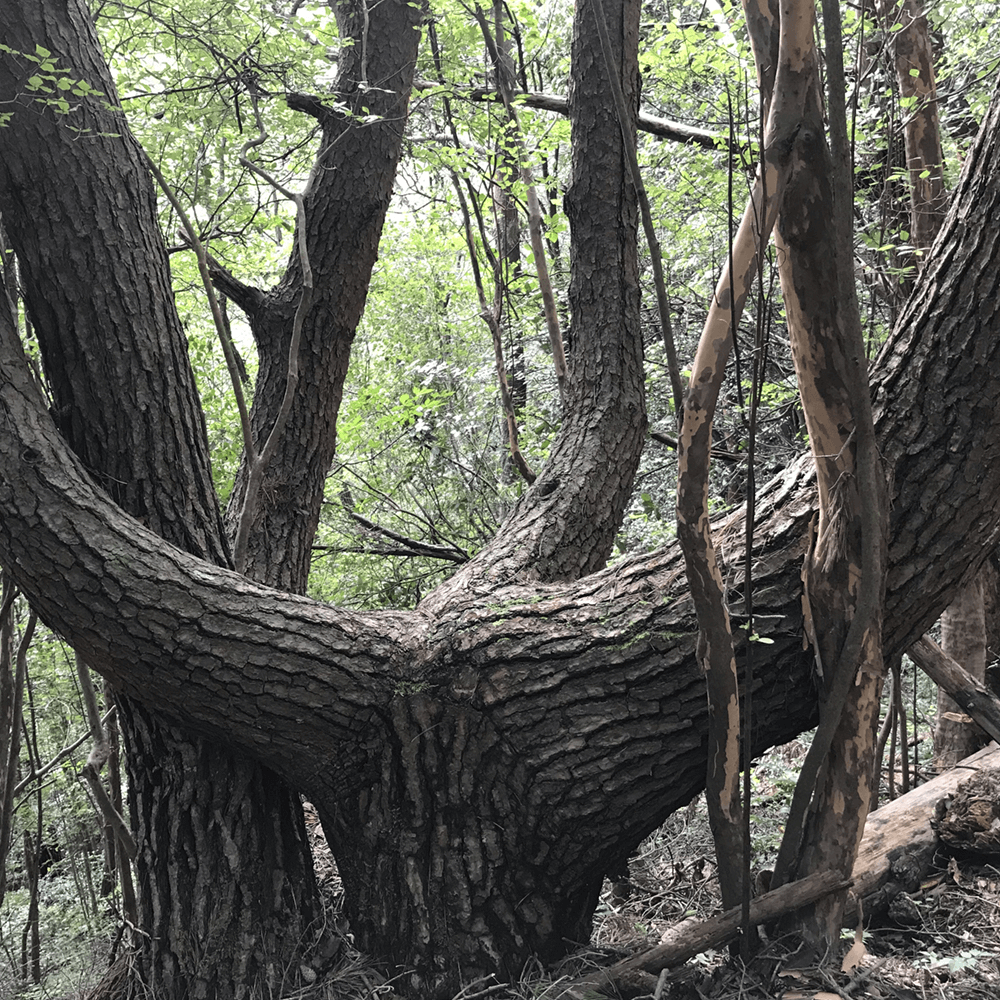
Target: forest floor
x=944, y=944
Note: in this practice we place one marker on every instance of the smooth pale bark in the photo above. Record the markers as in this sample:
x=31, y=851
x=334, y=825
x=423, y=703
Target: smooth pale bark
x=963, y=638
x=695, y=443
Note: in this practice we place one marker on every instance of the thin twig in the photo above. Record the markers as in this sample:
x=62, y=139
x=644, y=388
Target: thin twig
x=228, y=350
x=534, y=211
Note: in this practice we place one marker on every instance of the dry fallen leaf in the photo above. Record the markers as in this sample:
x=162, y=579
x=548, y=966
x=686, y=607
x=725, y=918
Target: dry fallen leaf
x=856, y=955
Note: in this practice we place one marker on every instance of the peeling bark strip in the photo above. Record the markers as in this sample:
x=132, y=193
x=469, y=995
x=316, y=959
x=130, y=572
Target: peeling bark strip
x=715, y=642
x=844, y=572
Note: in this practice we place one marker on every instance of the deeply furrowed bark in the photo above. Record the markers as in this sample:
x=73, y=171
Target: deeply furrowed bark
x=580, y=705
x=345, y=205
x=124, y=397
x=593, y=686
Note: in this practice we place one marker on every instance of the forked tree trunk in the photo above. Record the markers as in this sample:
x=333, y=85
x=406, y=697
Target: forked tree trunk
x=511, y=742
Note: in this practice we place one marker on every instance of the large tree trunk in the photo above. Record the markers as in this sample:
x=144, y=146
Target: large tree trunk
x=124, y=397
x=509, y=743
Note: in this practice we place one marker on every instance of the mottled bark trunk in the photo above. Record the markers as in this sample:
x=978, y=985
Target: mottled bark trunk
x=124, y=397
x=816, y=270
x=963, y=638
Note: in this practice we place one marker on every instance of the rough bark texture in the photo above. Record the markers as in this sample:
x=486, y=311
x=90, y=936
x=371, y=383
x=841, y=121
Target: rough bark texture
x=345, y=205
x=900, y=841
x=124, y=398
x=565, y=525
x=577, y=708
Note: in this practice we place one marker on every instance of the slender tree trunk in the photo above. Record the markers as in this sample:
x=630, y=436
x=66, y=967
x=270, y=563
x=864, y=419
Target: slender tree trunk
x=963, y=638
x=922, y=132
x=565, y=525
x=963, y=625
x=836, y=787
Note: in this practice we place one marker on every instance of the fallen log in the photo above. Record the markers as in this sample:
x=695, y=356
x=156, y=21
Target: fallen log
x=899, y=842
x=895, y=853
x=693, y=936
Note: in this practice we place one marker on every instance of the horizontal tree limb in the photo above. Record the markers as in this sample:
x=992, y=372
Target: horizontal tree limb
x=969, y=693
x=662, y=127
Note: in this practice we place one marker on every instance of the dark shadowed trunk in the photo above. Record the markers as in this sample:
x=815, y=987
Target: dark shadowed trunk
x=345, y=205
x=124, y=397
